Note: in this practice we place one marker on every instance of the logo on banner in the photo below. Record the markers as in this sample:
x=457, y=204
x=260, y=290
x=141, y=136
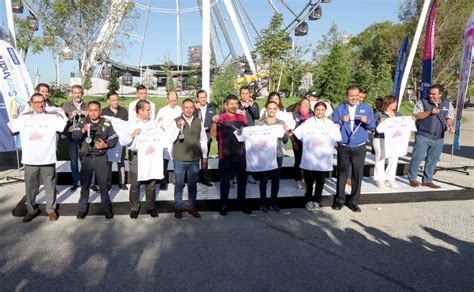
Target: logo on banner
x=14, y=56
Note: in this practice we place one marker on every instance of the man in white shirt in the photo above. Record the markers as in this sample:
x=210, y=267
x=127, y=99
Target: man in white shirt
x=166, y=120
x=142, y=94
x=190, y=145
x=38, y=131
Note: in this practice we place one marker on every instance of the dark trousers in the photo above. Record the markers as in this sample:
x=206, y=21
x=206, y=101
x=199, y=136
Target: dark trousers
x=349, y=156
x=311, y=177
x=134, y=194
x=164, y=181
x=120, y=168
x=298, y=153
x=204, y=175
x=89, y=165
x=228, y=168
x=274, y=176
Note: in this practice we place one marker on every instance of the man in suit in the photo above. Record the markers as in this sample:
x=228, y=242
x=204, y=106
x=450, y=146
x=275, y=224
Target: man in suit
x=204, y=111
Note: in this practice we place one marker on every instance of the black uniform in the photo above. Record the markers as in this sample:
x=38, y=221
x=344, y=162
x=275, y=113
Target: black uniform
x=94, y=160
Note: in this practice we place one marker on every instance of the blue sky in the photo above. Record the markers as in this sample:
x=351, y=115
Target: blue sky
x=351, y=16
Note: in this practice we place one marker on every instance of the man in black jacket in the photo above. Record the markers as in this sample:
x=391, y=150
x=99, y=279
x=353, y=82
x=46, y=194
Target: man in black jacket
x=204, y=111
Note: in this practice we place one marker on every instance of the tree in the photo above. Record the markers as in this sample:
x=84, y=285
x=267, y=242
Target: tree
x=306, y=83
x=149, y=79
x=225, y=83
x=271, y=44
x=87, y=84
x=113, y=82
x=170, y=83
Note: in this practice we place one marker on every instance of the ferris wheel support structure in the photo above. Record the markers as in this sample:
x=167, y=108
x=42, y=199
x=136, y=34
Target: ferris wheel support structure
x=206, y=47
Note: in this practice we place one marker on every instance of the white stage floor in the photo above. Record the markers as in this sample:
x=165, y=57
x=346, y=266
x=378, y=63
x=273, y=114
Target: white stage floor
x=287, y=189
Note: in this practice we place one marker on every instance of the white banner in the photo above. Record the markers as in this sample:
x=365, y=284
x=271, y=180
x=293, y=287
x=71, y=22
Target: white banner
x=15, y=81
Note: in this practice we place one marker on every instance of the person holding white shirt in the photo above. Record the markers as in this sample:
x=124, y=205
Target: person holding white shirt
x=319, y=135
x=385, y=177
x=133, y=129
x=38, y=130
x=166, y=120
x=142, y=94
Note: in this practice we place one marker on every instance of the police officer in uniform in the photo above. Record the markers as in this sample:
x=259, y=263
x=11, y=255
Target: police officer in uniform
x=95, y=135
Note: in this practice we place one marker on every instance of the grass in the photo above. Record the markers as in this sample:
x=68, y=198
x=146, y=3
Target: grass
x=406, y=109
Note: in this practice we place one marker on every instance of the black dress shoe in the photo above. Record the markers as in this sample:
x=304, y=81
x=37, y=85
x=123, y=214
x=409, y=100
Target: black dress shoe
x=108, y=215
x=207, y=183
x=30, y=216
x=274, y=207
x=223, y=211
x=164, y=187
x=81, y=215
x=337, y=206
x=134, y=214
x=354, y=208
x=94, y=188
x=123, y=187
x=109, y=187
x=178, y=214
x=264, y=207
x=73, y=188
x=153, y=213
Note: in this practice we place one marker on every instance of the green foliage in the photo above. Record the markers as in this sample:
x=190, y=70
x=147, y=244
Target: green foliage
x=113, y=82
x=25, y=38
x=87, y=82
x=59, y=93
x=271, y=44
x=224, y=83
x=170, y=83
x=193, y=81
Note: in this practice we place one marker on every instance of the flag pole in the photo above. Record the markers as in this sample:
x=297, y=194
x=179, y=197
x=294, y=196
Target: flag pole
x=414, y=46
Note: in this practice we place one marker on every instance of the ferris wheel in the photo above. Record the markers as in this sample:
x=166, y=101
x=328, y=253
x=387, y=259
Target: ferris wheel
x=232, y=32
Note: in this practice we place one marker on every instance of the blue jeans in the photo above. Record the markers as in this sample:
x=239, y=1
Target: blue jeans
x=73, y=147
x=429, y=148
x=181, y=168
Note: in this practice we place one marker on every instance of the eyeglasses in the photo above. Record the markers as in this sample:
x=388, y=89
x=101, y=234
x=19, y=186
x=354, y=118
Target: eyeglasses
x=37, y=102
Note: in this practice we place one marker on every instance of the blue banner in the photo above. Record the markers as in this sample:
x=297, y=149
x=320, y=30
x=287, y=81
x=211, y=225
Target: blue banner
x=7, y=142
x=401, y=62
x=428, y=53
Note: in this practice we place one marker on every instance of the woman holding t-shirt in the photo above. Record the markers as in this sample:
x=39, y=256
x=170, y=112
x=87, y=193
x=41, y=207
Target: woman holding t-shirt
x=318, y=136
x=270, y=119
x=385, y=177
x=301, y=113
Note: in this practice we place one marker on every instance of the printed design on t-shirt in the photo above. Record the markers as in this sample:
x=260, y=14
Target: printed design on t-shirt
x=150, y=150
x=317, y=142
x=36, y=137
x=261, y=144
x=397, y=133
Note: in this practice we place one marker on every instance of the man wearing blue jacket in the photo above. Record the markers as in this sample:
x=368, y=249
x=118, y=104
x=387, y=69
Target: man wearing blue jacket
x=355, y=119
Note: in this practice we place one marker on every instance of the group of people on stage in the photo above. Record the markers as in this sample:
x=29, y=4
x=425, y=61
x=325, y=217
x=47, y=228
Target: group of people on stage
x=251, y=145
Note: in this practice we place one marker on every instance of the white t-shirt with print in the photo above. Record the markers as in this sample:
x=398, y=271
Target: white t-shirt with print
x=38, y=134
x=319, y=137
x=149, y=146
x=397, y=131
x=261, y=146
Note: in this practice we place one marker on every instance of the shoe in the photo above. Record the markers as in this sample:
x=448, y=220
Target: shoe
x=164, y=187
x=194, y=213
x=30, y=216
x=391, y=184
x=431, y=185
x=381, y=184
x=274, y=207
x=246, y=210
x=414, y=183
x=178, y=214
x=309, y=206
x=123, y=187
x=108, y=215
x=232, y=184
x=53, y=216
x=94, y=188
x=153, y=213
x=81, y=215
x=73, y=188
x=251, y=180
x=134, y=214
x=299, y=184
x=354, y=208
x=207, y=183
x=223, y=211
x=317, y=207
x=337, y=206
x=264, y=207
x=349, y=182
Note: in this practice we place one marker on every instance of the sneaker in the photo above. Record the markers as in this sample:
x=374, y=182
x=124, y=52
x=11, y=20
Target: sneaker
x=317, y=207
x=381, y=184
x=392, y=184
x=310, y=206
x=232, y=184
x=251, y=180
x=299, y=184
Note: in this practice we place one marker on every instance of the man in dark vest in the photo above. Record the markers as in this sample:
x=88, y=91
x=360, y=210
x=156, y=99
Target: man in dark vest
x=188, y=149
x=433, y=116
